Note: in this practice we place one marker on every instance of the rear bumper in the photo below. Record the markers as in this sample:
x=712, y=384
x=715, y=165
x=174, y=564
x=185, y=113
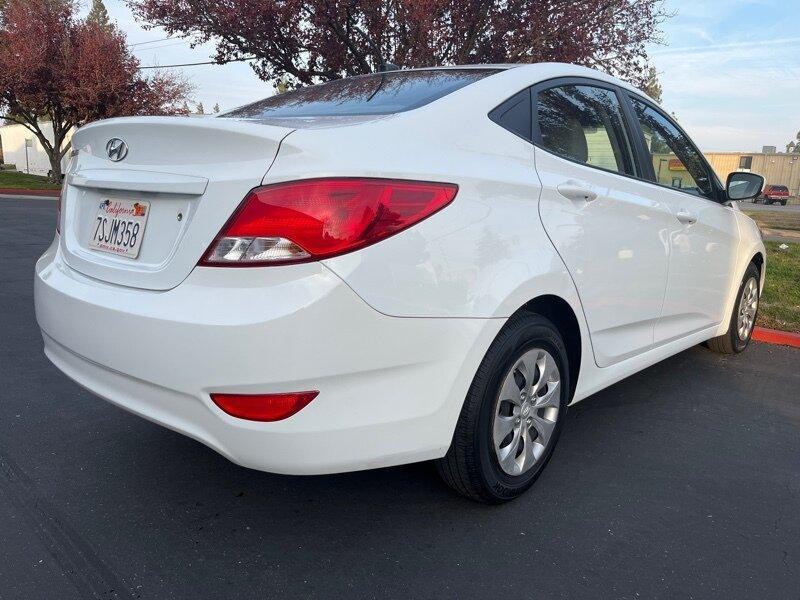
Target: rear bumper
x=390, y=388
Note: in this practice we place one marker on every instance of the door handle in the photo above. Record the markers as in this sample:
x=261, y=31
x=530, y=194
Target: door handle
x=684, y=216
x=574, y=191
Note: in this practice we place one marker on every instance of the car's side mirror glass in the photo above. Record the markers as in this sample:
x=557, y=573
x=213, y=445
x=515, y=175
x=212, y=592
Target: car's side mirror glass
x=743, y=186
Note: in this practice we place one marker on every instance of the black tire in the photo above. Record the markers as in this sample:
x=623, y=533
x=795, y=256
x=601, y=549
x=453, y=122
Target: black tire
x=471, y=466
x=783, y=202
x=730, y=342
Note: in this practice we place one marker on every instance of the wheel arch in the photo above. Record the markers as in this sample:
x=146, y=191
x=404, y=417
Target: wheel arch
x=561, y=313
x=755, y=256
x=758, y=261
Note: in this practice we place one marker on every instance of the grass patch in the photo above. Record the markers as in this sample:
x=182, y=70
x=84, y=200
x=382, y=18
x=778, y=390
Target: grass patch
x=23, y=181
x=780, y=302
x=775, y=219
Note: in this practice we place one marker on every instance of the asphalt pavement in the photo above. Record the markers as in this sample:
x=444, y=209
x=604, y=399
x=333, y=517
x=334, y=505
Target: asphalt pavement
x=681, y=482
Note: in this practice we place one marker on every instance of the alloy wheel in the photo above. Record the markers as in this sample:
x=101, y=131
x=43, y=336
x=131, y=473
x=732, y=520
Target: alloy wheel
x=748, y=306
x=526, y=411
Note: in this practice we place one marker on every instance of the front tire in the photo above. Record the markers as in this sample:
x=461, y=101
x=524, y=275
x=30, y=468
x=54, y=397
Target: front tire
x=743, y=319
x=512, y=415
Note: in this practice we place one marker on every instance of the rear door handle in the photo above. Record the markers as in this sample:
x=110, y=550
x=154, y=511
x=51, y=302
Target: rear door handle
x=684, y=216
x=574, y=191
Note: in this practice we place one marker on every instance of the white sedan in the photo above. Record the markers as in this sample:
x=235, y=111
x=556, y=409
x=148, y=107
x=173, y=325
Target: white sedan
x=405, y=266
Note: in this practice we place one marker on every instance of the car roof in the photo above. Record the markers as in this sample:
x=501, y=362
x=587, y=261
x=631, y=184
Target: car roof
x=538, y=71
x=507, y=79
x=495, y=66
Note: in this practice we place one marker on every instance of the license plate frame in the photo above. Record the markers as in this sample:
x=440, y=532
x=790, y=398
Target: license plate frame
x=118, y=227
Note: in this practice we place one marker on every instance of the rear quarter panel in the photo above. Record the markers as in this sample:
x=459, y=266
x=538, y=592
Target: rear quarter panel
x=482, y=256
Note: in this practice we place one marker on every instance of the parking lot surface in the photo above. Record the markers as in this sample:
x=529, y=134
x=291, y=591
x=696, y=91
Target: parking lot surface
x=680, y=482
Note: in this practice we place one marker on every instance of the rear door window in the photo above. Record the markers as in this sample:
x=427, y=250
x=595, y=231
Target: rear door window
x=584, y=123
x=378, y=94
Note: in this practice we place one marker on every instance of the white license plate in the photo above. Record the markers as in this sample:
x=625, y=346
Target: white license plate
x=119, y=226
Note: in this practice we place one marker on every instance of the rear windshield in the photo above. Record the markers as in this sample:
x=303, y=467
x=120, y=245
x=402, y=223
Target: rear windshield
x=779, y=188
x=378, y=94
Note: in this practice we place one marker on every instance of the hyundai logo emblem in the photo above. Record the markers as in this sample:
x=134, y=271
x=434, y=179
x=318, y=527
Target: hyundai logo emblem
x=116, y=149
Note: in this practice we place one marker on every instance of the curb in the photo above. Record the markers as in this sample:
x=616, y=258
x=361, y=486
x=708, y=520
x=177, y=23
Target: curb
x=23, y=192
x=4, y=197
x=773, y=336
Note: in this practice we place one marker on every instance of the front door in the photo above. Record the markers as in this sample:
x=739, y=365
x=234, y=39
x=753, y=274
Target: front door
x=703, y=234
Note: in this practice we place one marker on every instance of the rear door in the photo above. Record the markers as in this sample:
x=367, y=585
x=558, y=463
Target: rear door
x=611, y=234
x=703, y=234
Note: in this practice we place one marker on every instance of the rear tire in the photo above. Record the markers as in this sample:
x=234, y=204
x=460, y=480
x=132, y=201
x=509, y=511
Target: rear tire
x=742, y=322
x=513, y=413
x=783, y=202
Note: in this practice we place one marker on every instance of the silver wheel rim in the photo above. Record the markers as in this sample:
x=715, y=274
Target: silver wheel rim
x=526, y=411
x=748, y=305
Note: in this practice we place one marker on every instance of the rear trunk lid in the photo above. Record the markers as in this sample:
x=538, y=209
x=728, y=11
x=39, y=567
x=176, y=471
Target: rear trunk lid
x=191, y=174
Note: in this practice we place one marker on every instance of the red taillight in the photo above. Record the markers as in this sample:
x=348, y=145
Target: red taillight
x=263, y=407
x=319, y=218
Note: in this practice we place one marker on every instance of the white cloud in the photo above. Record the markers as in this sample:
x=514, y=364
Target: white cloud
x=700, y=32
x=773, y=44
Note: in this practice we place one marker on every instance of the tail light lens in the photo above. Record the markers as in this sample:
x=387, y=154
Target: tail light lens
x=263, y=407
x=318, y=218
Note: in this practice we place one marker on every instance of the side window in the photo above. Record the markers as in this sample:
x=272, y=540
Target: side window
x=515, y=114
x=675, y=161
x=585, y=124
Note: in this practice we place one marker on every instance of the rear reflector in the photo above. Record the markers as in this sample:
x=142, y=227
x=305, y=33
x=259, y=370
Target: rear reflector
x=314, y=219
x=263, y=407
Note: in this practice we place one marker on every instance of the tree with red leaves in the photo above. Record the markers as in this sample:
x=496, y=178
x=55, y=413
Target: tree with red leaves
x=315, y=40
x=57, y=68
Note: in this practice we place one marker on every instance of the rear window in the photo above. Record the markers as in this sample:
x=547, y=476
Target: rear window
x=378, y=94
x=779, y=188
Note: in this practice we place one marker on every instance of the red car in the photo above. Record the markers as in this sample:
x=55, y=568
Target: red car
x=774, y=193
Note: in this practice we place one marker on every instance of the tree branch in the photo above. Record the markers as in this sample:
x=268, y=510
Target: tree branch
x=343, y=37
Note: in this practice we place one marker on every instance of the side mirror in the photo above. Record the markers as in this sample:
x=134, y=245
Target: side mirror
x=743, y=186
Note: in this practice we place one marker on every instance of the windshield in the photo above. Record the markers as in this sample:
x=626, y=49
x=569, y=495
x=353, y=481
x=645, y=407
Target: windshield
x=378, y=94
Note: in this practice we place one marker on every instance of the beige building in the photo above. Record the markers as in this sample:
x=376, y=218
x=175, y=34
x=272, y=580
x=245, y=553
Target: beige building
x=777, y=169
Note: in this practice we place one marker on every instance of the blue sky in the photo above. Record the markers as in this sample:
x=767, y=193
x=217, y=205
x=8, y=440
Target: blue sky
x=730, y=69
